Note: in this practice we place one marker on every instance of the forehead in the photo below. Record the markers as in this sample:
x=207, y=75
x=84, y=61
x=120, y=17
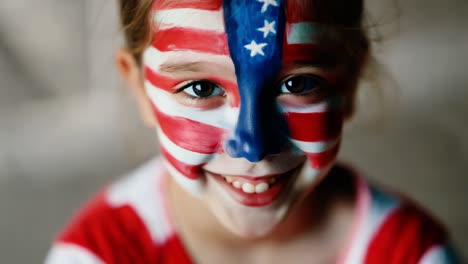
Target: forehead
x=296, y=10
x=199, y=26
x=301, y=8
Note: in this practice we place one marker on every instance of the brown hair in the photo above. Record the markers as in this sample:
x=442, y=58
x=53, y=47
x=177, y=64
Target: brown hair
x=343, y=33
x=136, y=25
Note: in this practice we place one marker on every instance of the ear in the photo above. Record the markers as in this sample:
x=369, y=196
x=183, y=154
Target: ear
x=131, y=72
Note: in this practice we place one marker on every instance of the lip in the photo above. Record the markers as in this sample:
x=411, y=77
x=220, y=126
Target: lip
x=258, y=199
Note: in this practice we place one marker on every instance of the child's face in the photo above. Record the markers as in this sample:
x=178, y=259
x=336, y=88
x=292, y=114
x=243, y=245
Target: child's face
x=249, y=119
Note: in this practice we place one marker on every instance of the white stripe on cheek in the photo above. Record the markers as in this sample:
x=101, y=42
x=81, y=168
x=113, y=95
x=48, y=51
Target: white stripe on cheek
x=315, y=147
x=222, y=117
x=334, y=103
x=190, y=18
x=193, y=186
x=181, y=154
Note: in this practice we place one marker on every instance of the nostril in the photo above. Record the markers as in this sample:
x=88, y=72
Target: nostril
x=257, y=135
x=230, y=148
x=244, y=148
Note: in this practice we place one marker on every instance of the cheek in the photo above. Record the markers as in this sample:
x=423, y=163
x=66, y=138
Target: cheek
x=189, y=134
x=189, y=137
x=316, y=131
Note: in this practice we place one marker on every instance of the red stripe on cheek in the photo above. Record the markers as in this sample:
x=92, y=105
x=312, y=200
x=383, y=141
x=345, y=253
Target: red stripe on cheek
x=300, y=52
x=315, y=127
x=196, y=4
x=191, y=39
x=191, y=171
x=190, y=135
x=233, y=94
x=323, y=159
x=299, y=11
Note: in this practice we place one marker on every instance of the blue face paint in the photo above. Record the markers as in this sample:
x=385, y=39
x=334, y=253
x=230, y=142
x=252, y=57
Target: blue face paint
x=255, y=31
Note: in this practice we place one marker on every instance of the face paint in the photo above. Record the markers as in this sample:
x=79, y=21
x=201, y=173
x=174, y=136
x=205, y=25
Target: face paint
x=250, y=126
x=315, y=129
x=189, y=136
x=256, y=53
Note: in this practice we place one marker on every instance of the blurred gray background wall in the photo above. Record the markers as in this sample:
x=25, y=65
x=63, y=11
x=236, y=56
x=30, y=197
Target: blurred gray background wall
x=68, y=126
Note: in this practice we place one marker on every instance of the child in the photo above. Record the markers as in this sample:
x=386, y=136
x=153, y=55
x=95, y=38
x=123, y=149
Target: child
x=248, y=98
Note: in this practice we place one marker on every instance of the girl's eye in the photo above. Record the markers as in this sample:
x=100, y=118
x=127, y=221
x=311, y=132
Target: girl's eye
x=301, y=84
x=202, y=89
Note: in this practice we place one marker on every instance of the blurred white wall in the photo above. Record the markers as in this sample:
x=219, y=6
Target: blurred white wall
x=68, y=125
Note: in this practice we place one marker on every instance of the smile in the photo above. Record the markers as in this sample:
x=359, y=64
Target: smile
x=256, y=191
x=259, y=185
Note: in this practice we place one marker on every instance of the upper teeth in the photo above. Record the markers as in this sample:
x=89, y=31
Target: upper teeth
x=247, y=187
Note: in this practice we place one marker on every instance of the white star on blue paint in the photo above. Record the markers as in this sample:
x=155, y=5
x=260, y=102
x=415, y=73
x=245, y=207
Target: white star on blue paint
x=267, y=3
x=255, y=48
x=267, y=28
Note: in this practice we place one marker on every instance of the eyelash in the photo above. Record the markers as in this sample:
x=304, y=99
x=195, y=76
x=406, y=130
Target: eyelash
x=306, y=79
x=192, y=83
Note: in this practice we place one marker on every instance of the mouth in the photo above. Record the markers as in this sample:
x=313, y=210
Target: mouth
x=256, y=191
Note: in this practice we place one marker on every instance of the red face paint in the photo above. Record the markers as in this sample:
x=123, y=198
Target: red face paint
x=194, y=133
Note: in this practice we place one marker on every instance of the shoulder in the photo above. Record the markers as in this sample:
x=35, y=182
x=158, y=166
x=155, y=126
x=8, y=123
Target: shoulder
x=125, y=221
x=404, y=232
x=395, y=229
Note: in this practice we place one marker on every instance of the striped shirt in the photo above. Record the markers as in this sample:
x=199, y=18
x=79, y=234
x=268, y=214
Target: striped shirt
x=128, y=222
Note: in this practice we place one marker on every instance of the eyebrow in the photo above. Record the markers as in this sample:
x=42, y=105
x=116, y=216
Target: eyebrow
x=169, y=67
x=322, y=60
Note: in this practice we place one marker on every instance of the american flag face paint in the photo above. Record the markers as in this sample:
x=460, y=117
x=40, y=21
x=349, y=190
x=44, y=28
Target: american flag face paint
x=223, y=82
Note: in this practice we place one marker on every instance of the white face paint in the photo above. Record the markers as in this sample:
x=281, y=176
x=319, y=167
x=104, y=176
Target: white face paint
x=193, y=87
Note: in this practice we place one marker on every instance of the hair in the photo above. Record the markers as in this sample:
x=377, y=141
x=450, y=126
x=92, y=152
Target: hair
x=135, y=21
x=344, y=15
x=343, y=32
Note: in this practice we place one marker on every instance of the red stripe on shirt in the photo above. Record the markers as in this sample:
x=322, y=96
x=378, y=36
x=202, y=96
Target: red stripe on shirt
x=175, y=252
x=103, y=230
x=404, y=237
x=176, y=39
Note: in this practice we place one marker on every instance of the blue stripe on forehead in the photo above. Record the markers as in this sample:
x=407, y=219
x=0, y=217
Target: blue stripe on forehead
x=255, y=30
x=255, y=36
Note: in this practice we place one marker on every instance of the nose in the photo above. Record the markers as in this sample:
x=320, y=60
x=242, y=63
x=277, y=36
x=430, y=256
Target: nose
x=260, y=131
x=258, y=62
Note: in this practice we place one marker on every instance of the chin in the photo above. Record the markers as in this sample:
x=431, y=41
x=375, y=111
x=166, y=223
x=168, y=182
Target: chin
x=250, y=218
x=246, y=221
